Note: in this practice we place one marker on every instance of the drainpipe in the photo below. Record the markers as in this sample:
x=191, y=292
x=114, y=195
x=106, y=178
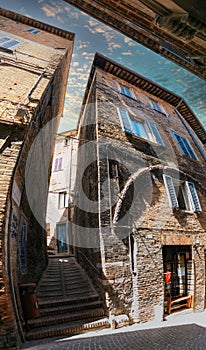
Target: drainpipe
x=10, y=273
x=35, y=84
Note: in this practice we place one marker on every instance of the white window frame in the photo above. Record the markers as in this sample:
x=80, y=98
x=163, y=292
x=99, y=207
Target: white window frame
x=184, y=144
x=189, y=193
x=151, y=129
x=63, y=200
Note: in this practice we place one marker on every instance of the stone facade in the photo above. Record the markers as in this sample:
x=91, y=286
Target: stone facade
x=174, y=29
x=129, y=227
x=34, y=71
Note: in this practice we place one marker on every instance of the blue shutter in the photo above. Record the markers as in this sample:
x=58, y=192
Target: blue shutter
x=125, y=91
x=181, y=145
x=184, y=146
x=155, y=132
x=125, y=120
x=139, y=129
x=190, y=151
x=156, y=106
x=194, y=197
x=10, y=44
x=170, y=191
x=4, y=39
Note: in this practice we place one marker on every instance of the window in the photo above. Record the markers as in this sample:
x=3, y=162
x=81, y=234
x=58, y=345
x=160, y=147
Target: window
x=182, y=194
x=33, y=31
x=8, y=43
x=157, y=107
x=63, y=200
x=58, y=164
x=145, y=129
x=184, y=146
x=125, y=91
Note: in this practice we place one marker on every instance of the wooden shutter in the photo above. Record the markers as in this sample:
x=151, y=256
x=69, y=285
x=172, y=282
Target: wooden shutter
x=155, y=132
x=170, y=191
x=193, y=197
x=125, y=120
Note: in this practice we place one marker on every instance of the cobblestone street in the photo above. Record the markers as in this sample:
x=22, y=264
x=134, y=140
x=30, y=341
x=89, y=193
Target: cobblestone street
x=184, y=337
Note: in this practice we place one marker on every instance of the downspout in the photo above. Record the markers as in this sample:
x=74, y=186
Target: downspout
x=35, y=84
x=99, y=188
x=70, y=235
x=109, y=192
x=8, y=259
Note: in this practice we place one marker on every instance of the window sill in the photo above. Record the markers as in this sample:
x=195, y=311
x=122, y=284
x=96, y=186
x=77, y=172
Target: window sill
x=183, y=211
x=145, y=140
x=196, y=161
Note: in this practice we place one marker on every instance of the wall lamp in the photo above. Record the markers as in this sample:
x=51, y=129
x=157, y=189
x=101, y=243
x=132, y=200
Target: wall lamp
x=197, y=244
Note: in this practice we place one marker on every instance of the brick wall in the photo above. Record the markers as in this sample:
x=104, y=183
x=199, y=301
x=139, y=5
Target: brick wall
x=139, y=291
x=32, y=94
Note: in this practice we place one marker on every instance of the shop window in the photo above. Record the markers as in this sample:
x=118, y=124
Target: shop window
x=178, y=260
x=58, y=164
x=8, y=43
x=182, y=194
x=125, y=91
x=184, y=146
x=33, y=31
x=145, y=129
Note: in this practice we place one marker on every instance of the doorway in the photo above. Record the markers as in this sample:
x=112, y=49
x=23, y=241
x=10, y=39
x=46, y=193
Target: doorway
x=61, y=238
x=178, y=260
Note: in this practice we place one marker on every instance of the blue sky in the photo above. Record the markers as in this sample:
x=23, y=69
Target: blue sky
x=93, y=36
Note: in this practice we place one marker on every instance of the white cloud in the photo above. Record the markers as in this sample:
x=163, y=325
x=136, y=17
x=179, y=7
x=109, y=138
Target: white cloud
x=50, y=11
x=95, y=30
x=92, y=22
x=83, y=45
x=127, y=53
x=129, y=41
x=75, y=64
x=58, y=9
x=88, y=55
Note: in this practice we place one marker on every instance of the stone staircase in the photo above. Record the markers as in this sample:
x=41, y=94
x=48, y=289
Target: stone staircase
x=68, y=302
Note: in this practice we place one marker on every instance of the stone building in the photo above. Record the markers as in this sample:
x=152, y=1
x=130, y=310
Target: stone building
x=176, y=29
x=61, y=194
x=35, y=60
x=141, y=204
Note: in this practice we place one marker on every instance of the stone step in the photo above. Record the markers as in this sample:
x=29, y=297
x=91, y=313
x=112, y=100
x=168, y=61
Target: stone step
x=64, y=318
x=71, y=308
x=68, y=289
x=70, y=328
x=68, y=301
x=77, y=293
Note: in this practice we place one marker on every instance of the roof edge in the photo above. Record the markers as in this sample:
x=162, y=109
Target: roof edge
x=37, y=24
x=107, y=65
